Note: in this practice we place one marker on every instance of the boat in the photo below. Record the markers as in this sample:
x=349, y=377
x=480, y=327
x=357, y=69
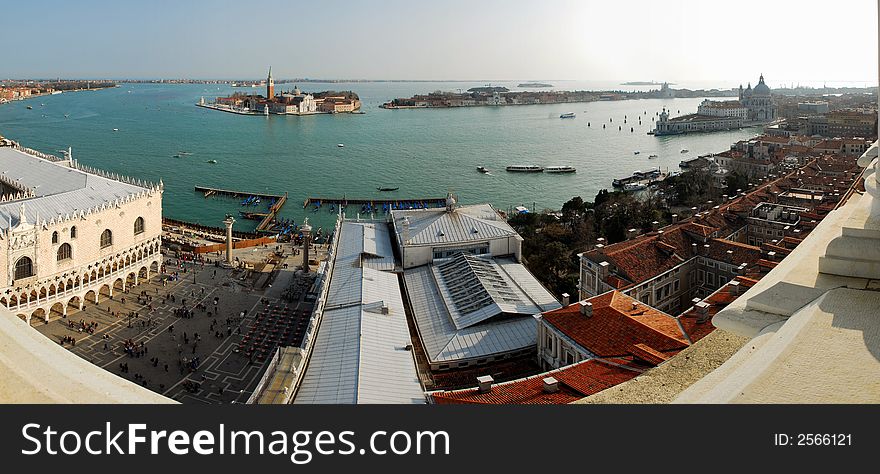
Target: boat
x=387, y=189
x=115, y=129
x=211, y=161
x=340, y=145
x=559, y=169
x=685, y=150
x=30, y=108
x=652, y=156
x=634, y=186
x=525, y=169
x=636, y=152
x=568, y=115
x=482, y=169
x=184, y=153
x=66, y=115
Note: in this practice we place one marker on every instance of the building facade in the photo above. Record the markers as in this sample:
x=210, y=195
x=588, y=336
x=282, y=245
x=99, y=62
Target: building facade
x=70, y=234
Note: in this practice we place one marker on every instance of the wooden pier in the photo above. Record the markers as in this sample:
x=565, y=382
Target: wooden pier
x=377, y=203
x=267, y=218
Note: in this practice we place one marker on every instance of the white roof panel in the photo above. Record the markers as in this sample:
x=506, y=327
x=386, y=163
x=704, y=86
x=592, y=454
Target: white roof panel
x=59, y=189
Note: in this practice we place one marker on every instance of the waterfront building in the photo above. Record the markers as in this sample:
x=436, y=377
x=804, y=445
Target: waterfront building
x=471, y=298
x=70, y=233
x=695, y=123
x=727, y=108
x=753, y=106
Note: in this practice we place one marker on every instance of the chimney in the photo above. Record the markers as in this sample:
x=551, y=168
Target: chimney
x=702, y=311
x=565, y=299
x=655, y=225
x=631, y=233
x=551, y=385
x=586, y=308
x=674, y=218
x=735, y=287
x=484, y=383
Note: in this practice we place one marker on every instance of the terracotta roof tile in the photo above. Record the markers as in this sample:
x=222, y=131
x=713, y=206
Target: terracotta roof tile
x=615, y=326
x=575, y=382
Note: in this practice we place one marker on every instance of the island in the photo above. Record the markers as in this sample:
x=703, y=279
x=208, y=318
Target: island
x=294, y=102
x=534, y=84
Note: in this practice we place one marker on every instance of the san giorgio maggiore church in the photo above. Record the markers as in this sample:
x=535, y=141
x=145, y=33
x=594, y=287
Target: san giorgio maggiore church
x=71, y=234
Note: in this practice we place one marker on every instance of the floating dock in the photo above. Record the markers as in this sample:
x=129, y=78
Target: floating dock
x=266, y=218
x=377, y=204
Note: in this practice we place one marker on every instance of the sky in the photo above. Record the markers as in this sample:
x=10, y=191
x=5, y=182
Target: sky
x=787, y=40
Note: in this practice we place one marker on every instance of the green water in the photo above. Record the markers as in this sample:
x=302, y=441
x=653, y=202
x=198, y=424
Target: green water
x=423, y=152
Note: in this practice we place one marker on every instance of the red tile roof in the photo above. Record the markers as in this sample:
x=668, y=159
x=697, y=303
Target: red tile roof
x=735, y=253
x=616, y=327
x=575, y=382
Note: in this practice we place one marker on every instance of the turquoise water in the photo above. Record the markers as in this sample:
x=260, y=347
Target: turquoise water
x=424, y=152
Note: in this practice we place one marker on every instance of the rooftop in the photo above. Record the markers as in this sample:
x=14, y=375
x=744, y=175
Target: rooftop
x=58, y=189
x=573, y=383
x=618, y=324
x=467, y=306
x=439, y=226
x=362, y=353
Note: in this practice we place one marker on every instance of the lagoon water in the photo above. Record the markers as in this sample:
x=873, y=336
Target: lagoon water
x=424, y=152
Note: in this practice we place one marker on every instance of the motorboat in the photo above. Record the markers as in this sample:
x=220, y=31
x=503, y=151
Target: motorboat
x=340, y=145
x=685, y=150
x=525, y=169
x=387, y=189
x=559, y=169
x=115, y=129
x=482, y=169
x=636, y=152
x=211, y=161
x=568, y=115
x=652, y=156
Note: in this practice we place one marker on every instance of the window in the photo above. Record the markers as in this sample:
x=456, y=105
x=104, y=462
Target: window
x=106, y=238
x=55, y=237
x=64, y=252
x=139, y=226
x=569, y=358
x=73, y=232
x=24, y=268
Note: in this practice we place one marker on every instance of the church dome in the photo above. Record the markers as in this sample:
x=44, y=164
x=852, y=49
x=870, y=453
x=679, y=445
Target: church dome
x=761, y=89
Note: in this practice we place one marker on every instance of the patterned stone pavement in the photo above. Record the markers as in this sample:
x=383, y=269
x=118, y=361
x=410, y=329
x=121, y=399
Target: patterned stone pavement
x=224, y=373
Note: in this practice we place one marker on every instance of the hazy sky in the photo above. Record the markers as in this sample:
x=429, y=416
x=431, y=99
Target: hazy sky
x=787, y=40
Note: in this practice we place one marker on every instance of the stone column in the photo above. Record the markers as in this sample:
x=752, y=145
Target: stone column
x=307, y=242
x=228, y=222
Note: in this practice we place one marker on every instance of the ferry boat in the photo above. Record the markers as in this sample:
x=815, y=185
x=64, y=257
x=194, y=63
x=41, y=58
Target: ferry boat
x=559, y=169
x=525, y=169
x=482, y=169
x=568, y=115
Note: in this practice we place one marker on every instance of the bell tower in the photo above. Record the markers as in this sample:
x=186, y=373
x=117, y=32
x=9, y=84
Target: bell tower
x=270, y=85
